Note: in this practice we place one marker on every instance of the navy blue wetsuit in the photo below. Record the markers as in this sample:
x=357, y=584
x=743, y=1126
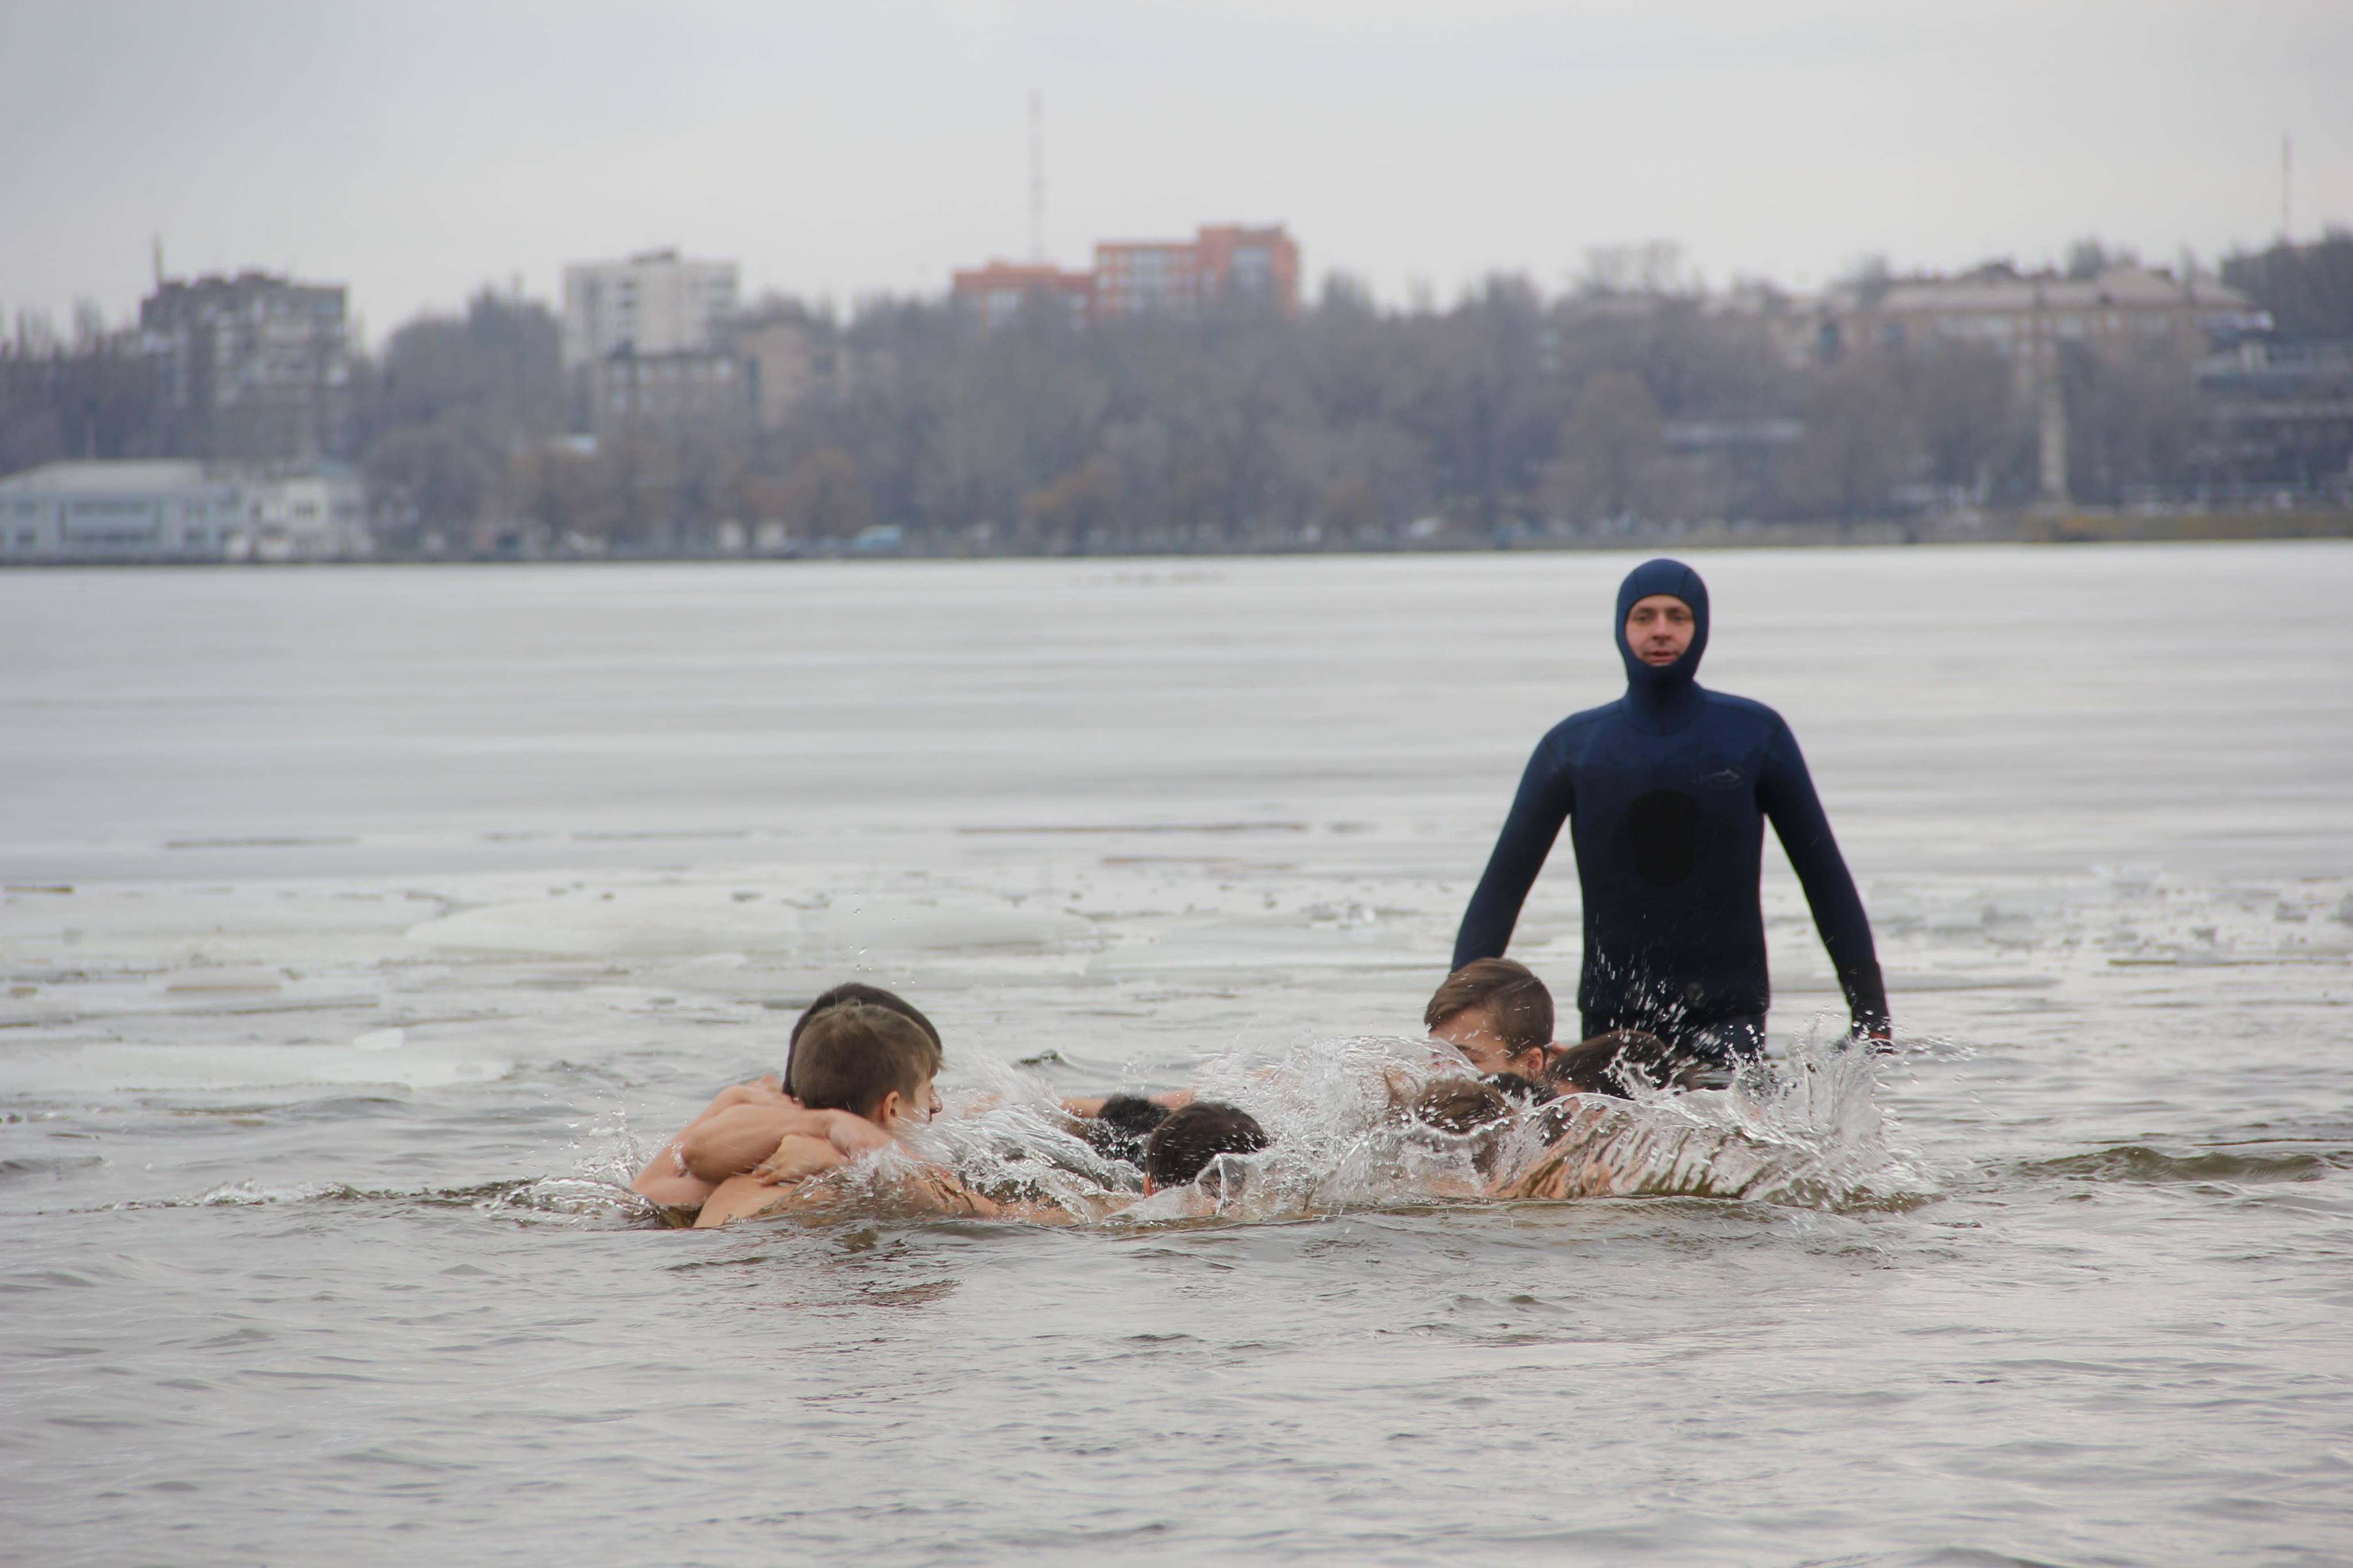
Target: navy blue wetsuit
x=1667, y=791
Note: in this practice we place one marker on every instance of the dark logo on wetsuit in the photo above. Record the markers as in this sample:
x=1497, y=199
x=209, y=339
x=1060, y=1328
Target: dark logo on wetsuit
x=1722, y=776
x=1665, y=825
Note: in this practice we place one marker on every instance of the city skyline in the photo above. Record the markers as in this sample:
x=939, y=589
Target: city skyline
x=837, y=157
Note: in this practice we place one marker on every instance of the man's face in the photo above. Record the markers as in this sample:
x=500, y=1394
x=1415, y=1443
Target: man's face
x=1471, y=1032
x=1659, y=628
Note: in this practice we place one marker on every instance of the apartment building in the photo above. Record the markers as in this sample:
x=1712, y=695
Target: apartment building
x=254, y=367
x=2121, y=309
x=654, y=303
x=997, y=291
x=1222, y=267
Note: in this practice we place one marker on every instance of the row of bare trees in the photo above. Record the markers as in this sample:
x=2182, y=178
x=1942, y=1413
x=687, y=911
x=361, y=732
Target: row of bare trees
x=1632, y=399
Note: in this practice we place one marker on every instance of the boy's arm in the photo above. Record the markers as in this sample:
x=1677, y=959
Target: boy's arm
x=668, y=1178
x=796, y=1156
x=732, y=1143
x=737, y=1197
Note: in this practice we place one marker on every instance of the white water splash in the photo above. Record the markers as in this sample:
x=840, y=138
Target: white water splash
x=1805, y=1132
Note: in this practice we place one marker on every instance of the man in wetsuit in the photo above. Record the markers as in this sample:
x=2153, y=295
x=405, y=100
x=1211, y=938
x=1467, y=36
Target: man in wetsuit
x=1667, y=790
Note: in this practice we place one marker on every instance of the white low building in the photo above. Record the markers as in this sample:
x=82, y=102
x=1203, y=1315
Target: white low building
x=171, y=510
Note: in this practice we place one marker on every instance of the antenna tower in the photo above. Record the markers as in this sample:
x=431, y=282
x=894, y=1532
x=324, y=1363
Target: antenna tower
x=1037, y=178
x=2287, y=226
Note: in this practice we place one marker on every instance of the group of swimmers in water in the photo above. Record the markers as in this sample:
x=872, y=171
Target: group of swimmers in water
x=862, y=1061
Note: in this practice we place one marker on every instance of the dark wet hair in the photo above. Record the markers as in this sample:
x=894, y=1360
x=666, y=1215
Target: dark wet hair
x=1181, y=1147
x=1521, y=1090
x=1119, y=1129
x=1519, y=1008
x=871, y=996
x=853, y=1054
x=1470, y=1108
x=1462, y=1105
x=1615, y=1062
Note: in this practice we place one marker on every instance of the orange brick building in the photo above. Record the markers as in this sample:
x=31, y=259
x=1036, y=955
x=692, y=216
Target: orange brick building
x=1221, y=266
x=997, y=289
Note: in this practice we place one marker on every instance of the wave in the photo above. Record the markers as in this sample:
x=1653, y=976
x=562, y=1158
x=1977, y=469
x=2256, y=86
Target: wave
x=2140, y=1163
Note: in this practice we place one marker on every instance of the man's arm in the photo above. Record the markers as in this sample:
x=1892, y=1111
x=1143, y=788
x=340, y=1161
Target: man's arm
x=1545, y=800
x=1785, y=790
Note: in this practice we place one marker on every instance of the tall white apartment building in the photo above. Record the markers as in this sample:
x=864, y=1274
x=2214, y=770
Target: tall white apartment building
x=653, y=303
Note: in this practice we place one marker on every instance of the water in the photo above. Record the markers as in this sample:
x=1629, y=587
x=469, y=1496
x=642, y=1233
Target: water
x=361, y=925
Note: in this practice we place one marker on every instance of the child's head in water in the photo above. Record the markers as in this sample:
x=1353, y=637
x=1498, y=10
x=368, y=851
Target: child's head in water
x=1118, y=1130
x=872, y=1061
x=1497, y=1014
x=843, y=995
x=1466, y=1107
x=1182, y=1146
x=1616, y=1062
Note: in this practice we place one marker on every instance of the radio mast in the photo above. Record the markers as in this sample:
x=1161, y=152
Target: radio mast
x=1037, y=178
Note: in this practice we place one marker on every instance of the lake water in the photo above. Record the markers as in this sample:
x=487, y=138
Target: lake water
x=362, y=924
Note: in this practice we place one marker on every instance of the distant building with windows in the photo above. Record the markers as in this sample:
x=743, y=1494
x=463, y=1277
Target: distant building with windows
x=2120, y=307
x=255, y=368
x=1222, y=267
x=783, y=357
x=176, y=510
x=997, y=291
x=700, y=392
x=653, y=304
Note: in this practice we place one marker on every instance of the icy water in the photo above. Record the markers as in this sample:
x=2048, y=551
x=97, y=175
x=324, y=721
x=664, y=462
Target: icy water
x=359, y=925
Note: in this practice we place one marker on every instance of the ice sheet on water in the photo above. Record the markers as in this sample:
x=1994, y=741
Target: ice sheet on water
x=106, y=1068
x=696, y=921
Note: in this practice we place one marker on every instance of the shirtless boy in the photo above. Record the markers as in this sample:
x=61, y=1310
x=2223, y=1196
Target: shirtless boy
x=744, y=1122
x=866, y=1062
x=1497, y=1014
x=1500, y=1016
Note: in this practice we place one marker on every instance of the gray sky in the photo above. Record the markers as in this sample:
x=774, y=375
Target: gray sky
x=417, y=150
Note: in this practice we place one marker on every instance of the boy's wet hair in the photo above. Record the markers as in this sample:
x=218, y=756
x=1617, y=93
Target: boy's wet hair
x=859, y=992
x=1181, y=1147
x=1518, y=1007
x=852, y=1054
x=1521, y=1090
x=1118, y=1131
x=1616, y=1062
x=1472, y=1108
x=1461, y=1106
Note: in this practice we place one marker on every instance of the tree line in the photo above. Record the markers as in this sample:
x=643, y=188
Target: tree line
x=1630, y=400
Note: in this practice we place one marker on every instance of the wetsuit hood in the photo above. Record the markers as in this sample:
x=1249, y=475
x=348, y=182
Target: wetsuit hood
x=1665, y=697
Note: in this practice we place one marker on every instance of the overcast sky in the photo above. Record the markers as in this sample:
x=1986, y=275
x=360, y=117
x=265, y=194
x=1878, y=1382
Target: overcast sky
x=417, y=150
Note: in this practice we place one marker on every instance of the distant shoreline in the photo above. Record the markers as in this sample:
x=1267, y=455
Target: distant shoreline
x=2071, y=527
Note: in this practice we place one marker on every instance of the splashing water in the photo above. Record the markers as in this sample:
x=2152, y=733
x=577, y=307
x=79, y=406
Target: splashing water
x=1805, y=1132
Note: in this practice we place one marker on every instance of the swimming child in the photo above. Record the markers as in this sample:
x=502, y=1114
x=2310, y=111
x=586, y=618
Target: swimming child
x=1615, y=1062
x=1497, y=1014
x=862, y=1060
x=743, y=1123
x=1474, y=1111
x=1184, y=1144
x=1119, y=1126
